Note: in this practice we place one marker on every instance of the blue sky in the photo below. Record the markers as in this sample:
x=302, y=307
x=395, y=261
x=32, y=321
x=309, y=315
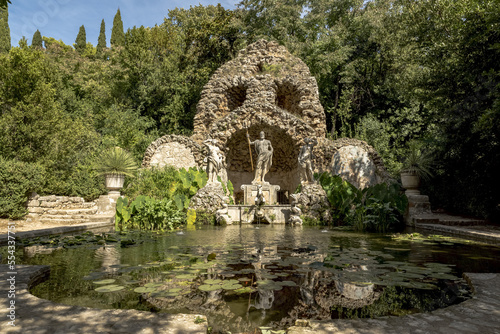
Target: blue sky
x=62, y=19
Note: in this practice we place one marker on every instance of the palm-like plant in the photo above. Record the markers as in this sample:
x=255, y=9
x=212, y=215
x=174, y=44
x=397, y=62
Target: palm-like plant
x=418, y=162
x=117, y=161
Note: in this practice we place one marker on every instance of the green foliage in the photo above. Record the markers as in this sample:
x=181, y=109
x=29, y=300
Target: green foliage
x=4, y=29
x=147, y=213
x=205, y=218
x=36, y=41
x=18, y=180
x=101, y=42
x=227, y=188
x=418, y=161
x=117, y=161
x=377, y=208
x=168, y=183
x=155, y=183
x=81, y=40
x=380, y=209
x=117, y=34
x=341, y=194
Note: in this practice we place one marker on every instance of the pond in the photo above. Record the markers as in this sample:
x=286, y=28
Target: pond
x=246, y=277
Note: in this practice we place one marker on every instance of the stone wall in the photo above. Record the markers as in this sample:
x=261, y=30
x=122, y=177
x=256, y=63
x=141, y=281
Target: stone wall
x=60, y=209
x=264, y=73
x=177, y=151
x=65, y=210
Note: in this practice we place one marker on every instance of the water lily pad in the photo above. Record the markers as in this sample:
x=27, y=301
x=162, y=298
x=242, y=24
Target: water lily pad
x=186, y=276
x=105, y=281
x=244, y=279
x=212, y=281
x=231, y=286
x=144, y=289
x=153, y=285
x=110, y=288
x=209, y=287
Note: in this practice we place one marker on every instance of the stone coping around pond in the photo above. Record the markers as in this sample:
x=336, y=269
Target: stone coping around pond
x=480, y=233
x=480, y=314
x=66, y=229
x=34, y=315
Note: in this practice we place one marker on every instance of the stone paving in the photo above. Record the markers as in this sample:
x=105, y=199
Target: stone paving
x=107, y=226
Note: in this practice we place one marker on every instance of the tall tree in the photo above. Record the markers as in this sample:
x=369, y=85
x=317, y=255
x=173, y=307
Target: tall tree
x=117, y=34
x=36, y=41
x=3, y=3
x=81, y=40
x=4, y=30
x=101, y=42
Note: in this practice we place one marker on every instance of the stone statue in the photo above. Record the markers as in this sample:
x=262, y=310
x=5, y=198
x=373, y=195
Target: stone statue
x=264, y=151
x=306, y=157
x=259, y=198
x=214, y=160
x=295, y=211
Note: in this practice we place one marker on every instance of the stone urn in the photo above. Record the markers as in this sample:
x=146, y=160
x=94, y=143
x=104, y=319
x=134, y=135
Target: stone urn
x=114, y=182
x=411, y=182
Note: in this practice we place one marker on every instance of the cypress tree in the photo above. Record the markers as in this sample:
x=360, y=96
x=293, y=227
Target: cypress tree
x=101, y=42
x=4, y=30
x=36, y=41
x=81, y=41
x=117, y=34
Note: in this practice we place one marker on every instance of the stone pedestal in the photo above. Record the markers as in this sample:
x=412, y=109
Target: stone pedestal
x=418, y=205
x=106, y=204
x=269, y=191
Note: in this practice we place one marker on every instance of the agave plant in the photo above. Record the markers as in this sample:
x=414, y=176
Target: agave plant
x=117, y=161
x=418, y=162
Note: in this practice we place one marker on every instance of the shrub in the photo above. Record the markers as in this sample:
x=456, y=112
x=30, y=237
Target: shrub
x=147, y=213
x=17, y=180
x=378, y=208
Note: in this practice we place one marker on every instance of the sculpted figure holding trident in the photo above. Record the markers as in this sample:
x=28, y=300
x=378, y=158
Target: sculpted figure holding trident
x=264, y=151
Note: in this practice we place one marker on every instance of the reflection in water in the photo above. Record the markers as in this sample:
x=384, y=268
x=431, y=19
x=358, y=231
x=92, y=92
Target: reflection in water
x=109, y=257
x=243, y=278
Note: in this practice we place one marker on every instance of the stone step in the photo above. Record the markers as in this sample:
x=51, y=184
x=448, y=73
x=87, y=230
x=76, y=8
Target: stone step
x=48, y=216
x=425, y=220
x=461, y=222
x=102, y=218
x=81, y=211
x=63, y=221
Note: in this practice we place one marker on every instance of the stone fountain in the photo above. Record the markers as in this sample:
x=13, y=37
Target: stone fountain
x=261, y=115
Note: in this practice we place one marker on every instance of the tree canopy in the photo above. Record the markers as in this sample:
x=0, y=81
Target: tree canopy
x=389, y=72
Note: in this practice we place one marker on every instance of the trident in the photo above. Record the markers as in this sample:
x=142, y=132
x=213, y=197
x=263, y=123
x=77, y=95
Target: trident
x=249, y=148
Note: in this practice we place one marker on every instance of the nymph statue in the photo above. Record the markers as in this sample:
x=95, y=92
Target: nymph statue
x=306, y=157
x=214, y=160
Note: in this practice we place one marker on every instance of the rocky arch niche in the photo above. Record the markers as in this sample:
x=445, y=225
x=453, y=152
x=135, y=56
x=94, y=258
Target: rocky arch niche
x=284, y=171
x=288, y=97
